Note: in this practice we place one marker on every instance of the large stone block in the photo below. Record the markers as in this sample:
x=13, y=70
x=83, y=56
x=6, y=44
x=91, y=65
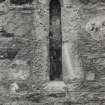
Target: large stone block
x=71, y=23
x=41, y=22
x=3, y=7
x=67, y=2
x=43, y=1
x=18, y=23
x=95, y=27
x=19, y=70
x=40, y=63
x=55, y=87
x=71, y=63
x=90, y=76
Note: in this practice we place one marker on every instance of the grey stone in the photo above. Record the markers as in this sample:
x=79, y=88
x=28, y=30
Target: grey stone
x=90, y=76
x=30, y=28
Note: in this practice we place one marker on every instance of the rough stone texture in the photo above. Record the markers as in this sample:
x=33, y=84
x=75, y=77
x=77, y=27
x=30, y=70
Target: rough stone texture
x=15, y=49
x=24, y=62
x=70, y=25
x=40, y=44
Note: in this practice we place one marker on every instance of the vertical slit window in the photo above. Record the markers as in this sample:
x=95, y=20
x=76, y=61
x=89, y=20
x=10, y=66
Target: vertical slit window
x=55, y=41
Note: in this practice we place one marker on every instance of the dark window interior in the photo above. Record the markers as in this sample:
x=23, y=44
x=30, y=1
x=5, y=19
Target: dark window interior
x=21, y=2
x=55, y=41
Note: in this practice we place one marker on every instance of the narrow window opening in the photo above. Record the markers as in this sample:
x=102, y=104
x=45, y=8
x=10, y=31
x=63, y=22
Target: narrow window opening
x=55, y=41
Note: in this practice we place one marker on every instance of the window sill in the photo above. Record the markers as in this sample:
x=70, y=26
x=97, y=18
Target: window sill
x=55, y=87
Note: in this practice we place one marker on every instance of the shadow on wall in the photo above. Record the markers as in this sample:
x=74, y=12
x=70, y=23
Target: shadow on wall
x=21, y=2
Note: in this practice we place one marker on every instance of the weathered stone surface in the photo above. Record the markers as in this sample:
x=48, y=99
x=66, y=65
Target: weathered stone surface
x=19, y=70
x=71, y=24
x=39, y=63
x=43, y=1
x=55, y=87
x=18, y=23
x=3, y=7
x=95, y=27
x=14, y=87
x=90, y=76
x=42, y=23
x=19, y=2
x=83, y=54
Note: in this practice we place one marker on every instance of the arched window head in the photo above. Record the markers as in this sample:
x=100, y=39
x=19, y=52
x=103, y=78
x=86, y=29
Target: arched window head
x=60, y=1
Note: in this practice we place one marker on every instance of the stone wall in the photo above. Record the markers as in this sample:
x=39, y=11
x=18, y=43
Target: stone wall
x=24, y=61
x=83, y=35
x=41, y=32
x=15, y=48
